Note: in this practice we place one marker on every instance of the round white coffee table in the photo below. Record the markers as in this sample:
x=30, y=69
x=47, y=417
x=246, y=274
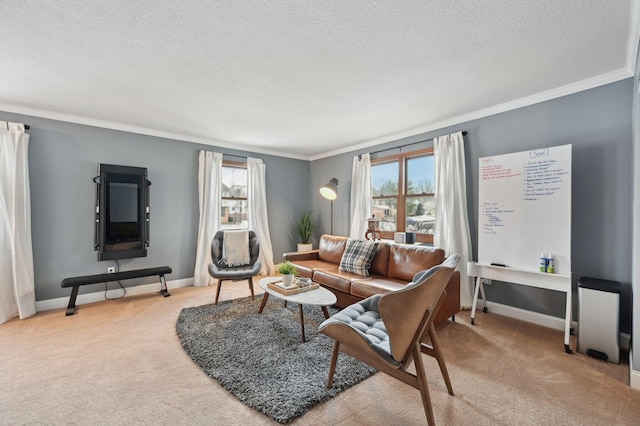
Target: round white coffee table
x=318, y=297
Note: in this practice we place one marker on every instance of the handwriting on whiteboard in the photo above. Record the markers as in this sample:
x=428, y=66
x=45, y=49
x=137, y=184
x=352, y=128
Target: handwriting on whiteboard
x=495, y=217
x=542, y=178
x=497, y=171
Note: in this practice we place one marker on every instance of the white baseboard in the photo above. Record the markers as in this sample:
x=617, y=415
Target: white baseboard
x=634, y=375
x=98, y=296
x=542, y=319
x=528, y=316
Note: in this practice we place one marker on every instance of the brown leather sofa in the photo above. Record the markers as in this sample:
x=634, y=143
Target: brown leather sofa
x=393, y=267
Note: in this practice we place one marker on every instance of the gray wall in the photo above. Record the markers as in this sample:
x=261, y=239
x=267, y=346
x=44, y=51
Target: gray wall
x=63, y=158
x=598, y=124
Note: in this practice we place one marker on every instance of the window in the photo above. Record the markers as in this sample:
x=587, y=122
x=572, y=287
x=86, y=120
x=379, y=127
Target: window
x=234, y=204
x=403, y=193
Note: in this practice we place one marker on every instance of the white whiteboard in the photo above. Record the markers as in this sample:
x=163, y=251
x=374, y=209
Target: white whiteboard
x=524, y=202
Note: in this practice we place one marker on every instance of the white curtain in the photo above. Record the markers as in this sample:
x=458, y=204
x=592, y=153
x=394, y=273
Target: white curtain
x=258, y=219
x=452, y=223
x=209, y=192
x=361, y=196
x=17, y=285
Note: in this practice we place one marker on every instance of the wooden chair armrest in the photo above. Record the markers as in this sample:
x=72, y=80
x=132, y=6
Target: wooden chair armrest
x=407, y=326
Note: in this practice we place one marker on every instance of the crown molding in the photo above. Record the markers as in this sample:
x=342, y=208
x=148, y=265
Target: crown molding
x=112, y=125
x=559, y=92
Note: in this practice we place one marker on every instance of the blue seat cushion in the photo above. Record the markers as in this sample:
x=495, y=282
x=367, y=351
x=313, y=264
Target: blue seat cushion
x=364, y=318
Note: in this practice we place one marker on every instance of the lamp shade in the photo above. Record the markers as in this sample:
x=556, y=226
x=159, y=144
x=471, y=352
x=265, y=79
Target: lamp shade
x=330, y=190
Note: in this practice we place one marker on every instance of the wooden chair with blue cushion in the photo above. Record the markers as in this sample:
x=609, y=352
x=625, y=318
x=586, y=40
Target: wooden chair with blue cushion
x=391, y=330
x=222, y=271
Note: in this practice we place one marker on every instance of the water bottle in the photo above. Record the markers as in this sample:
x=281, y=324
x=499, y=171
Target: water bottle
x=543, y=262
x=550, y=264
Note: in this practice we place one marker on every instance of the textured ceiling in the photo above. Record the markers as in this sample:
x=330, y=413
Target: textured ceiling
x=303, y=78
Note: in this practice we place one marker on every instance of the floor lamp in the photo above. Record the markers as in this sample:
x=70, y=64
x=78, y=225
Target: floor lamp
x=330, y=192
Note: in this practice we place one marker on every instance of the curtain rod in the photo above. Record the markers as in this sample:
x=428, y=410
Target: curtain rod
x=237, y=156
x=464, y=133
x=233, y=155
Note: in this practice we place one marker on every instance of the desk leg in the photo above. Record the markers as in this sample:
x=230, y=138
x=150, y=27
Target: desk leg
x=484, y=298
x=567, y=324
x=475, y=299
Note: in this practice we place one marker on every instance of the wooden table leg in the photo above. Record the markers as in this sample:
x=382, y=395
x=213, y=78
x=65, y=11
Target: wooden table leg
x=302, y=322
x=264, y=302
x=325, y=312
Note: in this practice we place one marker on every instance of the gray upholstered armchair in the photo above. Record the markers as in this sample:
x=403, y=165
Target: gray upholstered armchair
x=223, y=272
x=392, y=330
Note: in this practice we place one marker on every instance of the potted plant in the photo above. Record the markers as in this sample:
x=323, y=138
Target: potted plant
x=305, y=227
x=288, y=271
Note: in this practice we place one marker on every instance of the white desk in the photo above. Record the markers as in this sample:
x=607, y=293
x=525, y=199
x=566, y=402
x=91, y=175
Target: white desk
x=518, y=276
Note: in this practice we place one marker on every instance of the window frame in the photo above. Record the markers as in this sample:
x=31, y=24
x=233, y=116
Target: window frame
x=402, y=197
x=237, y=165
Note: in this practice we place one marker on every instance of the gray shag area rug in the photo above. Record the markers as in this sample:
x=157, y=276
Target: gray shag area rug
x=261, y=359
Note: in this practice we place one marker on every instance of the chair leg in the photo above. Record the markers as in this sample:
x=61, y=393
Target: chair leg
x=253, y=297
x=218, y=291
x=435, y=344
x=422, y=384
x=334, y=361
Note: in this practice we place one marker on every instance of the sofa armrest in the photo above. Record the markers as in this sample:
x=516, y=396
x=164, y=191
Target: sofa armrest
x=451, y=304
x=300, y=255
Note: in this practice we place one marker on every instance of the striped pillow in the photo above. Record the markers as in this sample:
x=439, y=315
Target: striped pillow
x=357, y=257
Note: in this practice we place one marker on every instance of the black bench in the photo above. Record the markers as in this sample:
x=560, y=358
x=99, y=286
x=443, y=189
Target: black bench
x=76, y=282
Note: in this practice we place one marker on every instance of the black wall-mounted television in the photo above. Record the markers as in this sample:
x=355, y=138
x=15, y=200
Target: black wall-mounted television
x=122, y=212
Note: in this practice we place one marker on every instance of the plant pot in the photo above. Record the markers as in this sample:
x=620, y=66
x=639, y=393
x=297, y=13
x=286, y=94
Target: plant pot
x=305, y=247
x=287, y=280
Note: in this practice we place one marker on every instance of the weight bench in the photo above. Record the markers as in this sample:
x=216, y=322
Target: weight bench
x=76, y=282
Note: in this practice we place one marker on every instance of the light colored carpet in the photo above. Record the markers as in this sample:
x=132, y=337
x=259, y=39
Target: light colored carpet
x=120, y=362
x=280, y=376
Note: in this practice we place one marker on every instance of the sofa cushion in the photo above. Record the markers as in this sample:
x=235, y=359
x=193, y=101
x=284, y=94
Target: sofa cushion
x=333, y=279
x=405, y=261
x=330, y=248
x=357, y=257
x=369, y=287
x=305, y=268
x=380, y=261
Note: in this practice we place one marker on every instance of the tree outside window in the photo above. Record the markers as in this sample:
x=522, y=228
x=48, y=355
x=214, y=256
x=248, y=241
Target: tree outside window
x=403, y=193
x=384, y=178
x=233, y=203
